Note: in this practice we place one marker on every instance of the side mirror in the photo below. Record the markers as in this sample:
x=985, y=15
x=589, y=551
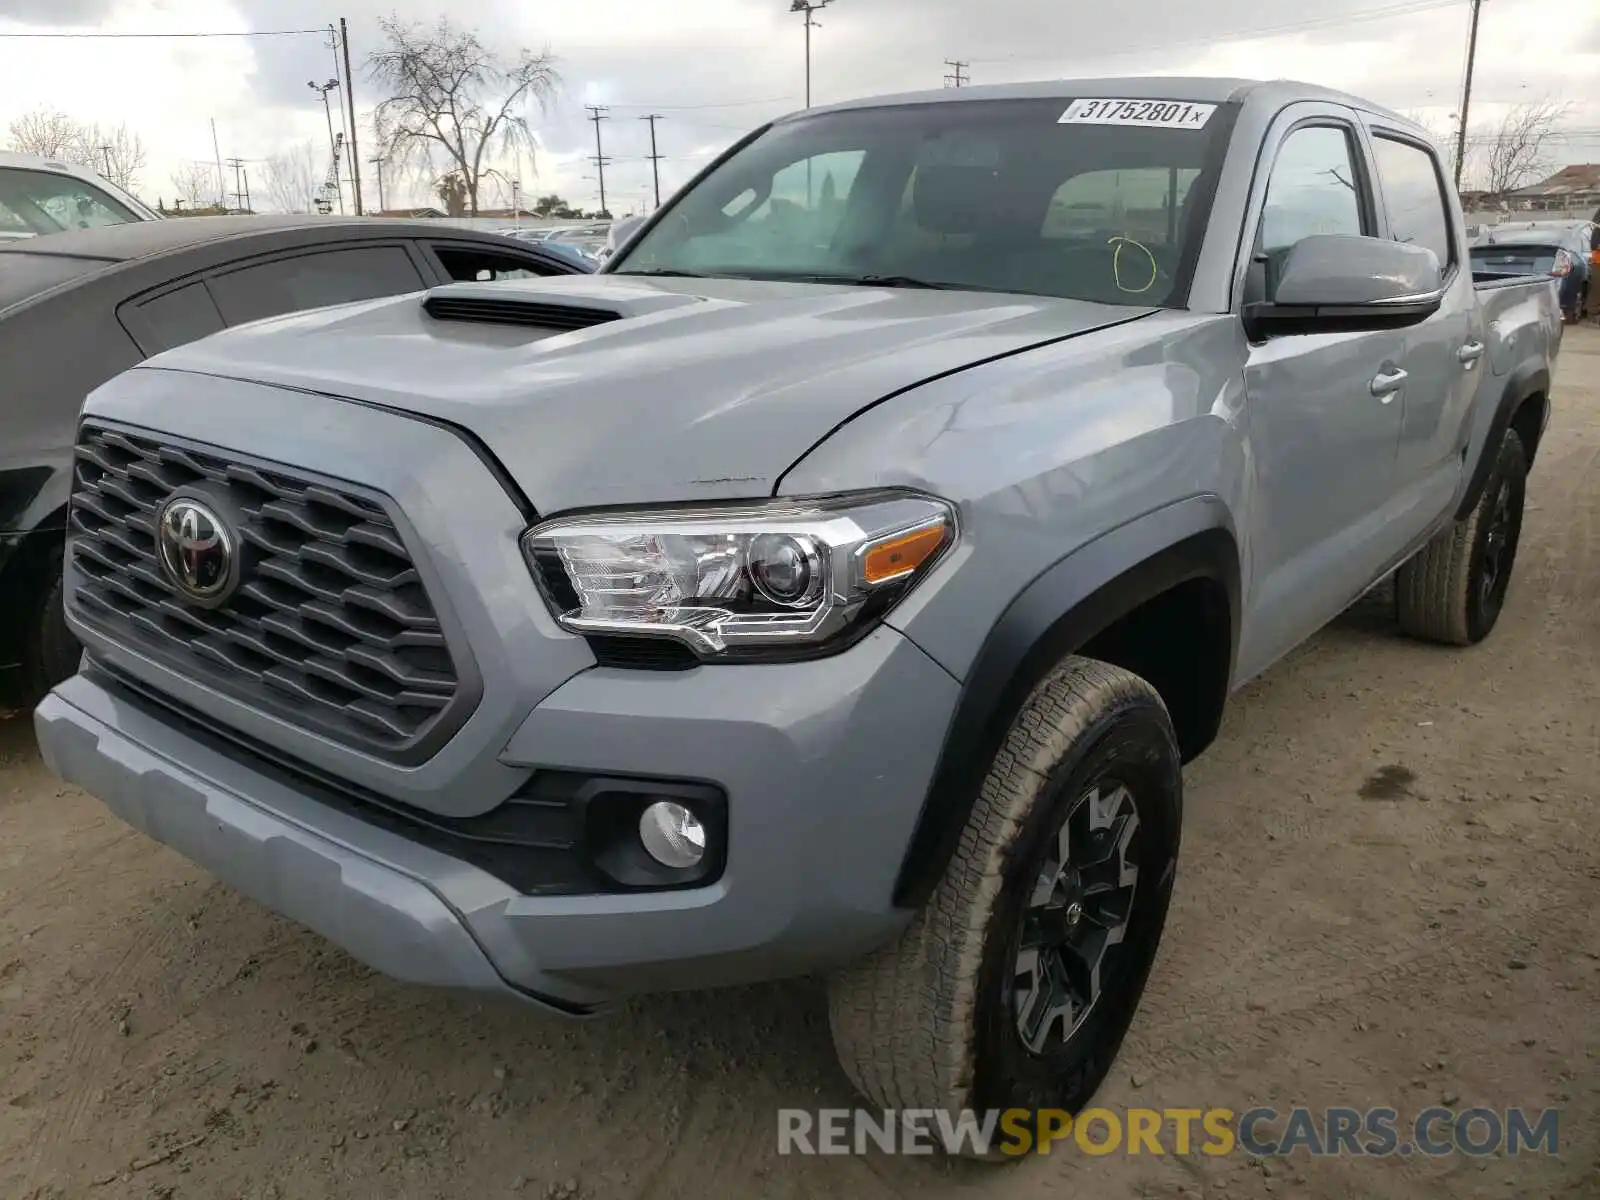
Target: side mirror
x=1336, y=283
x=620, y=231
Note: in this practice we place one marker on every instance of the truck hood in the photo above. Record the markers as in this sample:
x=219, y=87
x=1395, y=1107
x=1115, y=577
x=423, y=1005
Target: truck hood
x=688, y=389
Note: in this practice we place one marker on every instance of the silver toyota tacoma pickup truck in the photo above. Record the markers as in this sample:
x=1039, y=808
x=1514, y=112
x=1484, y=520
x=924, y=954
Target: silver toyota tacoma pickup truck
x=836, y=582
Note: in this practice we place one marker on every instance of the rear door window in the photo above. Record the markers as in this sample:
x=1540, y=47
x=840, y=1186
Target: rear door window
x=303, y=281
x=174, y=318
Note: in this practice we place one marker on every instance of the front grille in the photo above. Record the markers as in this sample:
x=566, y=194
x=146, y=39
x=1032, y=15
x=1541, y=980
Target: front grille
x=330, y=627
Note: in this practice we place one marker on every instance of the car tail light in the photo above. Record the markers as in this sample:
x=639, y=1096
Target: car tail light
x=1563, y=263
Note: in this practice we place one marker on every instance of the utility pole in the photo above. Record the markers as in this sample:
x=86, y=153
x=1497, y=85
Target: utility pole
x=322, y=89
x=655, y=159
x=247, y=207
x=956, y=78
x=216, y=149
x=105, y=157
x=238, y=189
x=377, y=168
x=597, y=113
x=809, y=7
x=1466, y=94
x=350, y=99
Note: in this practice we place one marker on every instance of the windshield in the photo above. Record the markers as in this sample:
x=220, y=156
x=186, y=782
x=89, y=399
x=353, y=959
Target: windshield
x=988, y=195
x=35, y=202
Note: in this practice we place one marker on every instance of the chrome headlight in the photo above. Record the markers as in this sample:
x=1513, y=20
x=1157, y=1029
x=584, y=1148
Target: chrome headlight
x=745, y=580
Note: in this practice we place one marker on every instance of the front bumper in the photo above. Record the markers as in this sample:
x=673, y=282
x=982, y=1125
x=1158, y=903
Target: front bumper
x=825, y=765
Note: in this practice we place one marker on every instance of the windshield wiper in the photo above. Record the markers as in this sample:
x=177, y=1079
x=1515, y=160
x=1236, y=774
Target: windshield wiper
x=889, y=281
x=666, y=271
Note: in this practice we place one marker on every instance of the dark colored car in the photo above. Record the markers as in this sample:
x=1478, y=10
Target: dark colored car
x=80, y=306
x=1563, y=250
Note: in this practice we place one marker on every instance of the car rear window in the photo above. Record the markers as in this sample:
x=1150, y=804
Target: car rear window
x=1514, y=259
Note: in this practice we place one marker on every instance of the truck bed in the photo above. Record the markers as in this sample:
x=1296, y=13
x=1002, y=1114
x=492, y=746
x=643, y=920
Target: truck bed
x=1521, y=320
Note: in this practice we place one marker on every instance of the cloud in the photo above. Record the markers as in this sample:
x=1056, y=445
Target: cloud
x=58, y=12
x=716, y=68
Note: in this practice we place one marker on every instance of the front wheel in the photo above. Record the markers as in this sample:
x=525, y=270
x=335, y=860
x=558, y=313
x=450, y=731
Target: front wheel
x=1015, y=984
x=1454, y=589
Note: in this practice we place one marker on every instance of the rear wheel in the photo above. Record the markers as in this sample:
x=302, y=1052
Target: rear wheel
x=1015, y=984
x=1453, y=591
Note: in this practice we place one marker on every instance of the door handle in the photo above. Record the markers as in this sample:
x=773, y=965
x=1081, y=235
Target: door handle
x=1469, y=354
x=1386, y=383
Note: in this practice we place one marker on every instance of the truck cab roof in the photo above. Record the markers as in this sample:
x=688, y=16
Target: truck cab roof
x=1198, y=88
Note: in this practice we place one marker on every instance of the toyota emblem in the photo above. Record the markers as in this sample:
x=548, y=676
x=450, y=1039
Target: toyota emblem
x=196, y=548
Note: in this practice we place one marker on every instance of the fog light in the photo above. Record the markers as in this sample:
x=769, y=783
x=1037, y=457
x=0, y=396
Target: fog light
x=672, y=835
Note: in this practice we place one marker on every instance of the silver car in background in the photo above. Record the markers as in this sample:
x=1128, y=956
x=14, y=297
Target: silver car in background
x=42, y=196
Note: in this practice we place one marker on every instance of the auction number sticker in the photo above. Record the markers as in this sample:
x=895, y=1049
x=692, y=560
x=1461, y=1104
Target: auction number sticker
x=1159, y=114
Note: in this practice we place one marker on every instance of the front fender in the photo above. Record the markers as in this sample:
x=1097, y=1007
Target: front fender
x=33, y=519
x=1059, y=612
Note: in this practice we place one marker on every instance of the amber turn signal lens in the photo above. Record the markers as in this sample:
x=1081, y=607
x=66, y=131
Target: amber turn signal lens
x=900, y=556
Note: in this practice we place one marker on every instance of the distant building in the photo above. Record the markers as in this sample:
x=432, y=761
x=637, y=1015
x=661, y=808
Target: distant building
x=426, y=213
x=1572, y=188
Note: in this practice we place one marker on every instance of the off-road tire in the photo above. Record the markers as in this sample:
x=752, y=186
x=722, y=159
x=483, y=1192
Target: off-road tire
x=1442, y=594
x=50, y=653
x=928, y=1021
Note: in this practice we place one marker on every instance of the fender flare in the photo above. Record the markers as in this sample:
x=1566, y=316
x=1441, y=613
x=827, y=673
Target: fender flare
x=22, y=552
x=1524, y=382
x=1060, y=611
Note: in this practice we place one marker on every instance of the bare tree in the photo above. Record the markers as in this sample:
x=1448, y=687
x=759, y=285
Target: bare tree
x=195, y=182
x=117, y=153
x=449, y=101
x=293, y=179
x=1518, y=150
x=51, y=134
x=114, y=151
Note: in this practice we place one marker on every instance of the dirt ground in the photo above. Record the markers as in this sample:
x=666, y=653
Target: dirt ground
x=1388, y=897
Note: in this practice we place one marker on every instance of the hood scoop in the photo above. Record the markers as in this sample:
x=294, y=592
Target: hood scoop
x=504, y=311
x=564, y=305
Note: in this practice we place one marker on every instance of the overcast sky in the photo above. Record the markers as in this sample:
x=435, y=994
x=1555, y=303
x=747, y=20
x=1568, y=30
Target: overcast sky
x=714, y=68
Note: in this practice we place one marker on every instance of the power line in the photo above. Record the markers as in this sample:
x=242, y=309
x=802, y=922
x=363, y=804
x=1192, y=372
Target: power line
x=956, y=78
x=597, y=113
x=655, y=158
x=117, y=35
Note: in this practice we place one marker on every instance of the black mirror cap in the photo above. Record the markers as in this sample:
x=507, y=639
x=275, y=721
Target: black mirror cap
x=1266, y=320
